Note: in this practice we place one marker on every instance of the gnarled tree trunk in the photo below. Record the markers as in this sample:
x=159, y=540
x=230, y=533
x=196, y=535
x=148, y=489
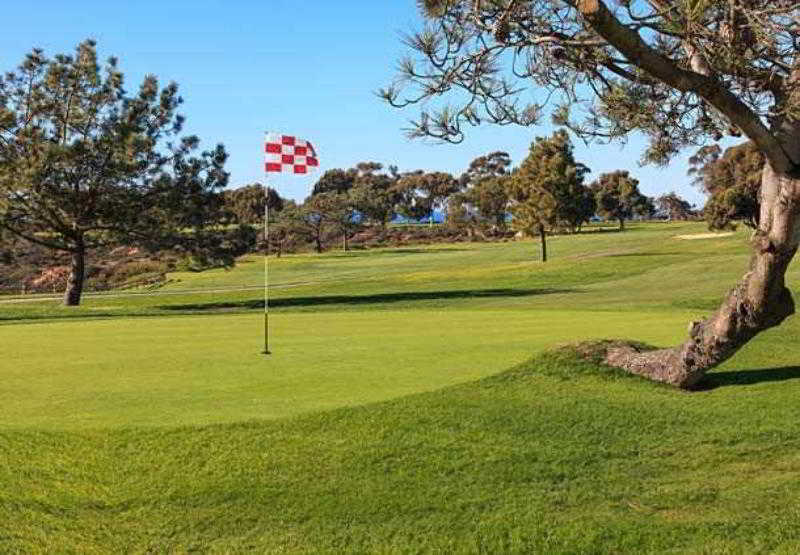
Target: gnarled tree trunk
x=758, y=302
x=77, y=275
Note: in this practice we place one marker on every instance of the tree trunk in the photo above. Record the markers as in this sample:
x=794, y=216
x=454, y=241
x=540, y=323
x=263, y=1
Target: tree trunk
x=77, y=275
x=317, y=244
x=543, y=241
x=758, y=302
x=344, y=241
x=622, y=224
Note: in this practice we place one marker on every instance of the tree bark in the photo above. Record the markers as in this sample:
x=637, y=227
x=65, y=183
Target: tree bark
x=758, y=302
x=77, y=275
x=543, y=241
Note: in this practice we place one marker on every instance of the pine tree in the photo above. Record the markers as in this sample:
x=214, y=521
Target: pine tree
x=486, y=181
x=618, y=197
x=547, y=189
x=84, y=165
x=678, y=72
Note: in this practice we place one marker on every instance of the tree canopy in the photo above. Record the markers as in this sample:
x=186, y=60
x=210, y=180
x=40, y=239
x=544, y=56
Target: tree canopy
x=421, y=193
x=674, y=206
x=83, y=164
x=618, y=197
x=245, y=205
x=732, y=181
x=487, y=181
x=679, y=71
x=547, y=190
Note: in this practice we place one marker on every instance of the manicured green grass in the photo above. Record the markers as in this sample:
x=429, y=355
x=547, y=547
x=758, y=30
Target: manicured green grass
x=409, y=406
x=553, y=456
x=202, y=370
x=590, y=271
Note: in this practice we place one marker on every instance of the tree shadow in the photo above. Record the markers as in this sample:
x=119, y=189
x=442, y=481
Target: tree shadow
x=748, y=377
x=384, y=251
x=599, y=229
x=380, y=298
x=634, y=254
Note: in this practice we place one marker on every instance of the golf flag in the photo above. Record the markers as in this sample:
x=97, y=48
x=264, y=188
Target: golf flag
x=284, y=153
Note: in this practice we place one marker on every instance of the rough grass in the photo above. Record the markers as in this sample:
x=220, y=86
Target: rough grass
x=168, y=434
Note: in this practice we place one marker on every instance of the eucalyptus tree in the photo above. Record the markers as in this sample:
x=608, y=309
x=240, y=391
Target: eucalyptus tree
x=674, y=206
x=245, y=205
x=375, y=193
x=85, y=165
x=680, y=72
x=618, y=197
x=732, y=181
x=422, y=193
x=335, y=180
x=486, y=181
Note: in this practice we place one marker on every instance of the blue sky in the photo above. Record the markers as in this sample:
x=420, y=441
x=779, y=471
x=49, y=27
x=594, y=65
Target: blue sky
x=303, y=68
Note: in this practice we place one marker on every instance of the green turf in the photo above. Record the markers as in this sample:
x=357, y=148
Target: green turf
x=202, y=370
x=388, y=418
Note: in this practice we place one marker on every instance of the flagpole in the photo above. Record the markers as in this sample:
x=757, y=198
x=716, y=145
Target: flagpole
x=266, y=271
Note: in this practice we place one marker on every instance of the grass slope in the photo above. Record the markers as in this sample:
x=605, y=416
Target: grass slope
x=172, y=434
x=555, y=455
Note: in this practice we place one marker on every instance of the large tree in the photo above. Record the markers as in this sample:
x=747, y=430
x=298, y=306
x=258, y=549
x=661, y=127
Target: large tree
x=679, y=71
x=375, y=193
x=732, y=181
x=422, y=193
x=245, y=205
x=341, y=213
x=335, y=180
x=85, y=165
x=486, y=181
x=674, y=206
x=618, y=197
x=547, y=190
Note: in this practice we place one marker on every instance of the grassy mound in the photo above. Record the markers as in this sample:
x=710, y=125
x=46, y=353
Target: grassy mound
x=557, y=454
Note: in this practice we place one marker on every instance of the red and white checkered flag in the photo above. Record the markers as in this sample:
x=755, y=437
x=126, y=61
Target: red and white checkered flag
x=289, y=154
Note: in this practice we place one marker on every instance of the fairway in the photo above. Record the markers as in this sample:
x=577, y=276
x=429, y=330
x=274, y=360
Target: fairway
x=412, y=402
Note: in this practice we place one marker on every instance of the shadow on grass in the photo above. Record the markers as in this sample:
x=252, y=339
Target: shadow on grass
x=749, y=377
x=379, y=298
x=387, y=250
x=635, y=254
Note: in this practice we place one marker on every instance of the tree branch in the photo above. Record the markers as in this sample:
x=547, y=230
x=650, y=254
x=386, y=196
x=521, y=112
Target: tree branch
x=630, y=44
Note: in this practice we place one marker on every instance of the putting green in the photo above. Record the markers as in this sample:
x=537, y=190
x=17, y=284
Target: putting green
x=201, y=370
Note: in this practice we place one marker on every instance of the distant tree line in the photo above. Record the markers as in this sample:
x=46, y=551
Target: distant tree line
x=545, y=194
